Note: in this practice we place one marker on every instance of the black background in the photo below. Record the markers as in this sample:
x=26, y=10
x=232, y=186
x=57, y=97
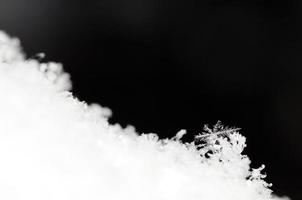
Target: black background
x=166, y=65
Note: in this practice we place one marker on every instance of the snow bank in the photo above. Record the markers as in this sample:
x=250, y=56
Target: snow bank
x=54, y=147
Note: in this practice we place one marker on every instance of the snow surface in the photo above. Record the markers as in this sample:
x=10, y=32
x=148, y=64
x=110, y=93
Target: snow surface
x=55, y=147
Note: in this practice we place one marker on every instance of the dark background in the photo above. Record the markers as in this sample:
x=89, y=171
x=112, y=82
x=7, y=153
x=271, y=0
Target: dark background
x=166, y=65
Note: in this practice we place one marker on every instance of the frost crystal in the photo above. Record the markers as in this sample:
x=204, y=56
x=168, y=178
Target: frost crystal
x=54, y=147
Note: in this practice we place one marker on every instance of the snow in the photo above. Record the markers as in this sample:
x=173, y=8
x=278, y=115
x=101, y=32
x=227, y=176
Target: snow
x=55, y=147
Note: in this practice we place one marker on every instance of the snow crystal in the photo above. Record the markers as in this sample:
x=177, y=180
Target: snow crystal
x=54, y=147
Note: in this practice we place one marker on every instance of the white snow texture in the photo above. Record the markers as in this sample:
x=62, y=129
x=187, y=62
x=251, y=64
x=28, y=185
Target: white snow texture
x=54, y=147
